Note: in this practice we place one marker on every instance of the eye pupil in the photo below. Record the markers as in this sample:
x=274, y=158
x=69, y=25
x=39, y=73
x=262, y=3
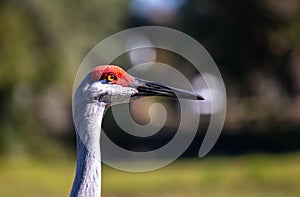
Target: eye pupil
x=111, y=77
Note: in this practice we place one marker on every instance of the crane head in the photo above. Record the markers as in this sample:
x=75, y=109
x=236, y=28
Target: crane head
x=111, y=85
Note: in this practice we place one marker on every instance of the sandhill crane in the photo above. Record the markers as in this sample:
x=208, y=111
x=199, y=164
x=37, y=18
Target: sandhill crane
x=102, y=87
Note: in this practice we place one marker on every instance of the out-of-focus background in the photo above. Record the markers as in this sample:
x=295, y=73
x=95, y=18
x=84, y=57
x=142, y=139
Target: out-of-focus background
x=256, y=45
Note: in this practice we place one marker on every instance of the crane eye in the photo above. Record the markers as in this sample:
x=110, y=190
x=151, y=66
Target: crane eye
x=111, y=77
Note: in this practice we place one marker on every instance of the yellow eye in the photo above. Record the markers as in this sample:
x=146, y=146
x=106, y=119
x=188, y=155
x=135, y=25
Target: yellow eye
x=111, y=77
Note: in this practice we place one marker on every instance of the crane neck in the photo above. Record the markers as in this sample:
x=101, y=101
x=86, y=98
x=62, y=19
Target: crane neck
x=87, y=120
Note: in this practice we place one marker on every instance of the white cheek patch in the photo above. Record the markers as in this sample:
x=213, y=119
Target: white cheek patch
x=114, y=94
x=121, y=94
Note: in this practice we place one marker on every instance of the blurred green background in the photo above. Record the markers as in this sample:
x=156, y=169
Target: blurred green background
x=256, y=45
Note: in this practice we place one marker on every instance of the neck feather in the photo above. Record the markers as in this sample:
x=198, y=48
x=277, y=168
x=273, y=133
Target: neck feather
x=88, y=121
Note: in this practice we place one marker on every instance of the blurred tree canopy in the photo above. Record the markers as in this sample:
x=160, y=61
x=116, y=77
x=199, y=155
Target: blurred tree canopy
x=42, y=45
x=256, y=45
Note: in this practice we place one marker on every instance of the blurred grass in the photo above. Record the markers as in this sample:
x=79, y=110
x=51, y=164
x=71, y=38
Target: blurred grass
x=241, y=176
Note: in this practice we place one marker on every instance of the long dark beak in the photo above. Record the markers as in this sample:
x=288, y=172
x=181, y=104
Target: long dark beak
x=150, y=88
